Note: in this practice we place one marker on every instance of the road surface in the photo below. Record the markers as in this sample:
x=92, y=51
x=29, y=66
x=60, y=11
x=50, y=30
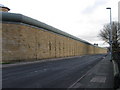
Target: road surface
x=51, y=74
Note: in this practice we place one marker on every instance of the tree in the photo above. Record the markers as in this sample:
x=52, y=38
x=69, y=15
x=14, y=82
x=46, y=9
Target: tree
x=105, y=32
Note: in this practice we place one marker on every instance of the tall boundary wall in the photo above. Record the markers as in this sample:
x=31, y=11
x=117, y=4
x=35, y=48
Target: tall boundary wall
x=24, y=38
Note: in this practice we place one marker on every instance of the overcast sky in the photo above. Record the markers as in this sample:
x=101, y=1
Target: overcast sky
x=81, y=18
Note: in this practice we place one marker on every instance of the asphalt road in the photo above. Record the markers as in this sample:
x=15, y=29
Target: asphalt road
x=51, y=74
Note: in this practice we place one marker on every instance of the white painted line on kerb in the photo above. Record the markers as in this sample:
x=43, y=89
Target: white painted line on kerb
x=75, y=83
x=72, y=86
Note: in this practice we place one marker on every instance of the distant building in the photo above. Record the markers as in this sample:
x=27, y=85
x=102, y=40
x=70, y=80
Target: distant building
x=95, y=44
x=4, y=8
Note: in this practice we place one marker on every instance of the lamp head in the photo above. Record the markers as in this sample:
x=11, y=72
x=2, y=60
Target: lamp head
x=108, y=8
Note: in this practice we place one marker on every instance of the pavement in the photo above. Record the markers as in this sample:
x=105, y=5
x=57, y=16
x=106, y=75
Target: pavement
x=37, y=61
x=100, y=76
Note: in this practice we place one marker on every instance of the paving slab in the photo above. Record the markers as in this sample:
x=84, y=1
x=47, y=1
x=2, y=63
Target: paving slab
x=100, y=76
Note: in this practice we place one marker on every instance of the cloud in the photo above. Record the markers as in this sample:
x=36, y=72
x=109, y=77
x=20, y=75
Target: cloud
x=92, y=8
x=81, y=18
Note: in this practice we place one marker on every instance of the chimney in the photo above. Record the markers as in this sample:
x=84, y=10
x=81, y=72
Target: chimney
x=3, y=8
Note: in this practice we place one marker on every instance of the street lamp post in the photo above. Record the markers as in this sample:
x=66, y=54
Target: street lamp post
x=110, y=35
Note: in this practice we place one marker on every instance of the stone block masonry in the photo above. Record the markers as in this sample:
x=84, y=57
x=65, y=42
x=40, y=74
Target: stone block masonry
x=25, y=42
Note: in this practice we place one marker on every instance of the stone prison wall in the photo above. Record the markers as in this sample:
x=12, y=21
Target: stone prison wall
x=26, y=39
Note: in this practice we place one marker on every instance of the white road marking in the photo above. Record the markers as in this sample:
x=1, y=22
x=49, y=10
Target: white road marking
x=72, y=86
x=98, y=79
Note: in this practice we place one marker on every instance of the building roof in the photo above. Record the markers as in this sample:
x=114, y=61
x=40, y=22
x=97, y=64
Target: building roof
x=2, y=6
